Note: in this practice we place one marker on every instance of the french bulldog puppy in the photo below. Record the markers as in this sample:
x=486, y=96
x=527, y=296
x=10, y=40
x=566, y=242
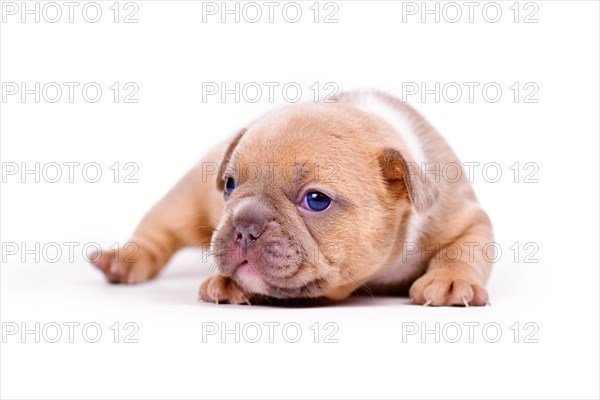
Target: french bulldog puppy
x=318, y=201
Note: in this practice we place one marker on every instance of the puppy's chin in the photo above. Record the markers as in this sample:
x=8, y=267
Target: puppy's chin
x=249, y=277
x=251, y=280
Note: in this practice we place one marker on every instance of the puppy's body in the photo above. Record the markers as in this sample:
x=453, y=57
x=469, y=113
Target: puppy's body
x=394, y=222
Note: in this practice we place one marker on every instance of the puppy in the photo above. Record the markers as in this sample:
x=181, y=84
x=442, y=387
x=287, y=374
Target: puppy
x=318, y=201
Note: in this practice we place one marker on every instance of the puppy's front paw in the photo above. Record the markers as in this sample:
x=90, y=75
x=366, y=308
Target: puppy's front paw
x=130, y=264
x=448, y=288
x=222, y=289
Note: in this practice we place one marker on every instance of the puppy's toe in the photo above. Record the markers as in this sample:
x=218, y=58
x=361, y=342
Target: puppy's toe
x=121, y=267
x=440, y=288
x=221, y=289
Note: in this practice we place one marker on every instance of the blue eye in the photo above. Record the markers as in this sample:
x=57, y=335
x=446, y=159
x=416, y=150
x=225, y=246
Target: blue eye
x=229, y=185
x=316, y=201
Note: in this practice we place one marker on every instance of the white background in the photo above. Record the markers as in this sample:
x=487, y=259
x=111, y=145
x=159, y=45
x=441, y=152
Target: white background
x=168, y=54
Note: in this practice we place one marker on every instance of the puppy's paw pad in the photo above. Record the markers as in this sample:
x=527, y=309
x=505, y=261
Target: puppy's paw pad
x=440, y=288
x=221, y=289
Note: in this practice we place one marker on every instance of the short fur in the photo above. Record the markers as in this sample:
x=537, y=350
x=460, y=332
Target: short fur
x=392, y=225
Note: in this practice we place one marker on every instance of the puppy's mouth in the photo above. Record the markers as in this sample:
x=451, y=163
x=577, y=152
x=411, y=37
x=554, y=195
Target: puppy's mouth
x=271, y=264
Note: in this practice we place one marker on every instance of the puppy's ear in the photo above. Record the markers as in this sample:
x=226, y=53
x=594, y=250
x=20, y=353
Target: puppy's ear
x=232, y=145
x=406, y=176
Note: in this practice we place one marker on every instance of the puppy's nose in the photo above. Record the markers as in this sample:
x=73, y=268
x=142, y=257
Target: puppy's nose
x=247, y=234
x=249, y=223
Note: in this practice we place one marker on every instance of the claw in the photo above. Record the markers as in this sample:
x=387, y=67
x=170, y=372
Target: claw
x=430, y=299
x=465, y=302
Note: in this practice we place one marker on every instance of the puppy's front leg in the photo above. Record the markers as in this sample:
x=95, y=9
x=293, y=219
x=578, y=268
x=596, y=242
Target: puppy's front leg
x=456, y=275
x=223, y=289
x=186, y=216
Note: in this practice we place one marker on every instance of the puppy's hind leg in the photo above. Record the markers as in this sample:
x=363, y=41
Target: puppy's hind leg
x=186, y=216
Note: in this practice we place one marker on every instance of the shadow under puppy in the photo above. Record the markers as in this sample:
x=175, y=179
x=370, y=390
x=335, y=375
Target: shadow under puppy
x=319, y=200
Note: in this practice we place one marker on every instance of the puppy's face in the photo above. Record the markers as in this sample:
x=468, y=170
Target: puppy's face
x=311, y=208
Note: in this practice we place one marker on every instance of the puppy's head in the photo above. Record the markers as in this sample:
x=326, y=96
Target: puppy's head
x=314, y=203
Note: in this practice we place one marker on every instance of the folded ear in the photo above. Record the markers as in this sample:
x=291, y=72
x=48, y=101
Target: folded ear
x=402, y=175
x=230, y=149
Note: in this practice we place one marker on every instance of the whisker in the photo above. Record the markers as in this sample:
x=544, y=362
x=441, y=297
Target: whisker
x=362, y=285
x=206, y=227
